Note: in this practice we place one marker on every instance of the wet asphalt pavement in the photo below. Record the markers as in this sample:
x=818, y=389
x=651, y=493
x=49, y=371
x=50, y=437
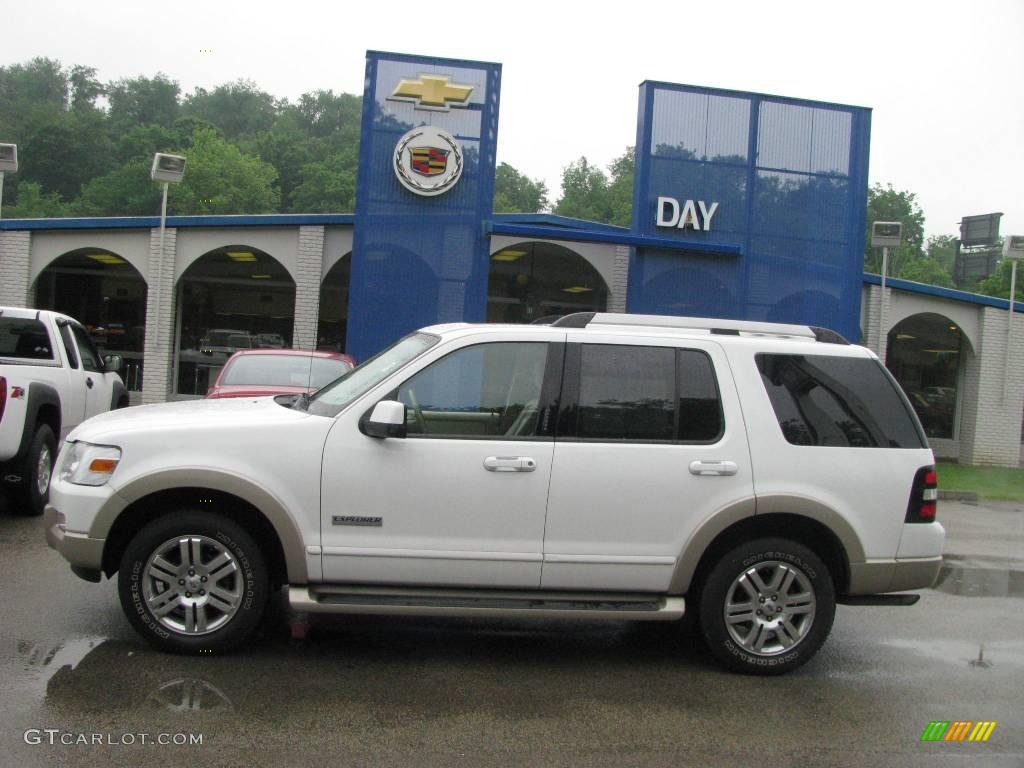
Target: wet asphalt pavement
x=408, y=691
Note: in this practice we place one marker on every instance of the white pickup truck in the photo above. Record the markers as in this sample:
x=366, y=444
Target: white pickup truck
x=51, y=379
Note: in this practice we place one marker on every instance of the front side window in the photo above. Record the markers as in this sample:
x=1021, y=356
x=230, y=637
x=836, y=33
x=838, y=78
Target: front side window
x=484, y=391
x=90, y=357
x=824, y=400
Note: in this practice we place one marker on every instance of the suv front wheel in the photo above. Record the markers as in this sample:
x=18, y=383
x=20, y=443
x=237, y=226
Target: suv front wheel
x=767, y=606
x=193, y=582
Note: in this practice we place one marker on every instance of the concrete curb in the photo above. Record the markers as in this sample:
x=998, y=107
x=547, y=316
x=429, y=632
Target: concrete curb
x=958, y=495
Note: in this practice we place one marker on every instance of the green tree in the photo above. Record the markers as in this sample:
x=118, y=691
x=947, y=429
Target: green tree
x=125, y=191
x=30, y=202
x=67, y=153
x=219, y=178
x=922, y=269
x=888, y=204
x=584, y=192
x=85, y=88
x=324, y=113
x=942, y=249
x=327, y=186
x=516, y=193
x=31, y=95
x=620, y=188
x=237, y=109
x=998, y=283
x=143, y=101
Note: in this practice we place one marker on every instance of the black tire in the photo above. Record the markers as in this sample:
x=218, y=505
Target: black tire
x=28, y=499
x=215, y=535
x=789, y=627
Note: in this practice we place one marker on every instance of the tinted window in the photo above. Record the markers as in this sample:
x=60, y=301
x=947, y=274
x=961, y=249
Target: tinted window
x=626, y=393
x=487, y=390
x=700, y=412
x=24, y=338
x=837, y=401
x=90, y=357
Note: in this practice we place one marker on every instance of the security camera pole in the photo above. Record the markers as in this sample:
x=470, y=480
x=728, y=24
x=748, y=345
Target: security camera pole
x=8, y=162
x=1013, y=249
x=170, y=169
x=884, y=235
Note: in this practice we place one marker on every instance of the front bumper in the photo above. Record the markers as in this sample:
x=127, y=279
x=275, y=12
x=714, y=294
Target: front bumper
x=85, y=554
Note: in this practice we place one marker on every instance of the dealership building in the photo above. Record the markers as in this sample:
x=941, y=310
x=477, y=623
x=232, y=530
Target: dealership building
x=746, y=206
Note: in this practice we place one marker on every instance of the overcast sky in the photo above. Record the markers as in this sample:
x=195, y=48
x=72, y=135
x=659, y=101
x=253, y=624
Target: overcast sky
x=945, y=79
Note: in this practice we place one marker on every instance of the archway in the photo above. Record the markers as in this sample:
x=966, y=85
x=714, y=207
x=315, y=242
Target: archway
x=333, y=313
x=533, y=279
x=233, y=297
x=107, y=295
x=924, y=353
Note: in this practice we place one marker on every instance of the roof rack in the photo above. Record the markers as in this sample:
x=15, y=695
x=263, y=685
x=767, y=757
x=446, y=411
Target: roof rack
x=711, y=324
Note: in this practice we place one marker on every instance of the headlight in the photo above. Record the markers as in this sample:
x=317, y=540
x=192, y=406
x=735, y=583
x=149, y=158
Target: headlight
x=88, y=464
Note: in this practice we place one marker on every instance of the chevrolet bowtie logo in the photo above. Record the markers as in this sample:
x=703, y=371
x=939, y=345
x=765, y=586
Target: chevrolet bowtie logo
x=432, y=92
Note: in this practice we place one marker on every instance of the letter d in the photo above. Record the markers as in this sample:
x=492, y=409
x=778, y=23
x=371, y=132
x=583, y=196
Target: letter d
x=671, y=203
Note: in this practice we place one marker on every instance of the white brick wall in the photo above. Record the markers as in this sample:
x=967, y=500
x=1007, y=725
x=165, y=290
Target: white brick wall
x=308, y=269
x=990, y=427
x=15, y=261
x=620, y=280
x=159, y=352
x=873, y=339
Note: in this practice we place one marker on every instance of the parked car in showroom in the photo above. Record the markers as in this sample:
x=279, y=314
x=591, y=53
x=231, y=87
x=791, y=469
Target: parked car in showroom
x=622, y=467
x=261, y=372
x=52, y=378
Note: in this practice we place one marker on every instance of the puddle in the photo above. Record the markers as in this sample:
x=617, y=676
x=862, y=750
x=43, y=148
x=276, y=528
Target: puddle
x=977, y=581
x=188, y=695
x=42, y=662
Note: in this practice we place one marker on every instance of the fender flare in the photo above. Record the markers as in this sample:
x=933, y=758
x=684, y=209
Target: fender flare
x=39, y=394
x=722, y=519
x=272, y=508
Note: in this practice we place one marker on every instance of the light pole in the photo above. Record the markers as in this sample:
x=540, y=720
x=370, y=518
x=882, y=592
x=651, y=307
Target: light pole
x=169, y=169
x=884, y=235
x=8, y=162
x=1013, y=249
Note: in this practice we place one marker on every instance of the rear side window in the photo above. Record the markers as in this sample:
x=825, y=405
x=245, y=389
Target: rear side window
x=645, y=394
x=25, y=339
x=822, y=400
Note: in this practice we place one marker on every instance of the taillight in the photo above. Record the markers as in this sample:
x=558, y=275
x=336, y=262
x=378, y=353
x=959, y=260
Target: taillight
x=3, y=395
x=924, y=496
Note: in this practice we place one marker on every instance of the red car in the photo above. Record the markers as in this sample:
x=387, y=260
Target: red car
x=261, y=372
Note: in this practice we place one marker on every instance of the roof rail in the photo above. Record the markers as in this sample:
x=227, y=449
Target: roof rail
x=712, y=324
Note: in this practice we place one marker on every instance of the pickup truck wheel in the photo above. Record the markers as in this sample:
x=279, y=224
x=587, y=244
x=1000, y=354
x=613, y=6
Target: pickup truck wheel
x=36, y=472
x=193, y=582
x=767, y=606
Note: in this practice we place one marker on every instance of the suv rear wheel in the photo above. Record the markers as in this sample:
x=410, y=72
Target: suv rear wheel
x=767, y=606
x=193, y=581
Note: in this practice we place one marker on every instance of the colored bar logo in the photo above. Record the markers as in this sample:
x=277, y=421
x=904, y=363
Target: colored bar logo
x=958, y=730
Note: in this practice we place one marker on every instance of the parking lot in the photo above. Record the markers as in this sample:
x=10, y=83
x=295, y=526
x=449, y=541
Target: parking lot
x=407, y=691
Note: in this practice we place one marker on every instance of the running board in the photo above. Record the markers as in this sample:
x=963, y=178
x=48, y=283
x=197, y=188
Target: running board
x=496, y=603
x=878, y=599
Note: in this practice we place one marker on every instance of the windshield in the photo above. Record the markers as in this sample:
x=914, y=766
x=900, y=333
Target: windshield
x=283, y=370
x=331, y=399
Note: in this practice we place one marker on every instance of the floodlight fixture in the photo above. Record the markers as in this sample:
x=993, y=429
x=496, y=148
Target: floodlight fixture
x=886, y=234
x=167, y=168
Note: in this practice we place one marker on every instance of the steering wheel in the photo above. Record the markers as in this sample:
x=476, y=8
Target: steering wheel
x=417, y=412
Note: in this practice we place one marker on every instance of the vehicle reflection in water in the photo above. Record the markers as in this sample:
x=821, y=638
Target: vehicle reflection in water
x=115, y=676
x=188, y=695
x=968, y=580
x=43, y=663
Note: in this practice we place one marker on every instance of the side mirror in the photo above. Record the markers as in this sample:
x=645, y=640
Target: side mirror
x=113, y=363
x=387, y=420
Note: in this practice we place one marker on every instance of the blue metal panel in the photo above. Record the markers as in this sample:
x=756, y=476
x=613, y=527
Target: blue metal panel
x=417, y=260
x=790, y=180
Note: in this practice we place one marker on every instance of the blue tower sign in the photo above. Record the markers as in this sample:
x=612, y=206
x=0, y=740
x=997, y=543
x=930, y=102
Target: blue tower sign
x=783, y=181
x=426, y=184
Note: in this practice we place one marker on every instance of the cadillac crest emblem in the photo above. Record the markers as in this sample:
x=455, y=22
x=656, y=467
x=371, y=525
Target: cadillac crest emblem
x=428, y=161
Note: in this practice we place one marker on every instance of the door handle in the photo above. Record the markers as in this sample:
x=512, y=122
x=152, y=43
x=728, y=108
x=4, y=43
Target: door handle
x=509, y=464
x=88, y=382
x=700, y=468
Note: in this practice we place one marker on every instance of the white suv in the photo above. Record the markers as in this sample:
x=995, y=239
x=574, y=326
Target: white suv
x=603, y=466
